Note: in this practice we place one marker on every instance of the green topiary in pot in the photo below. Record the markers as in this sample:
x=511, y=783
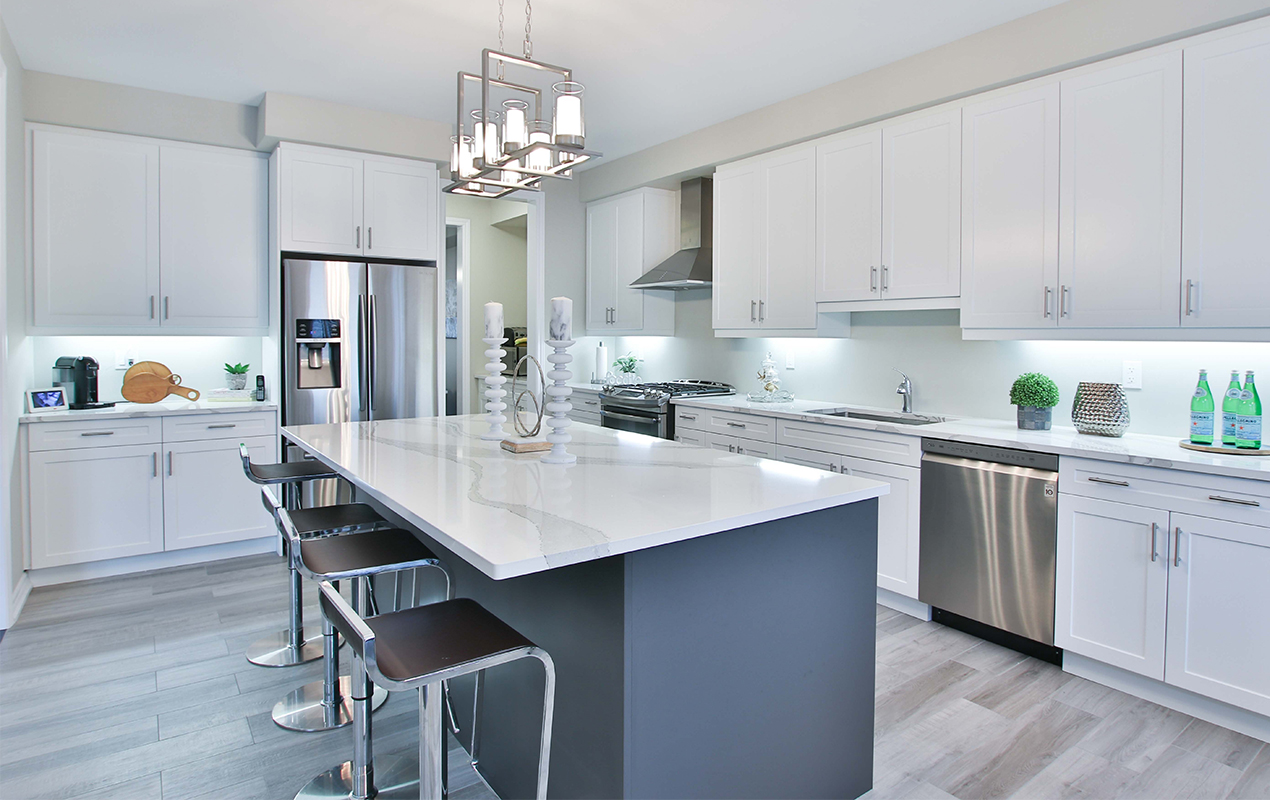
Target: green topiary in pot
x=1035, y=395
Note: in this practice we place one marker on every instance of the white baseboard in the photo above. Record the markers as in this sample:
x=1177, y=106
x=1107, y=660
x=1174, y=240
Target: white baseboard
x=1205, y=708
x=899, y=602
x=21, y=591
x=175, y=558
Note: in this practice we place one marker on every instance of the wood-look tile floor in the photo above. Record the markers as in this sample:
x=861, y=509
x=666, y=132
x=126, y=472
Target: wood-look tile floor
x=136, y=687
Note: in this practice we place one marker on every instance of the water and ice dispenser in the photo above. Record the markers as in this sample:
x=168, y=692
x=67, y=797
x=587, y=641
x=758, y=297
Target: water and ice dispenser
x=318, y=358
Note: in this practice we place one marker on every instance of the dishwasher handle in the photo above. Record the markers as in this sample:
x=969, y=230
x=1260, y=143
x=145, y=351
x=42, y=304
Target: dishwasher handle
x=989, y=466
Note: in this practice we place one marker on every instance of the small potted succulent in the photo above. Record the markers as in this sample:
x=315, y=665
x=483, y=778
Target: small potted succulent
x=1035, y=395
x=236, y=375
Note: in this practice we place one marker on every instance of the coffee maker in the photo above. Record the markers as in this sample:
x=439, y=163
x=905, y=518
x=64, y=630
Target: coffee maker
x=78, y=376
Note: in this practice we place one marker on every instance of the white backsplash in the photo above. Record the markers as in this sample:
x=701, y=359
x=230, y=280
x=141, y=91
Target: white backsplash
x=950, y=375
x=199, y=360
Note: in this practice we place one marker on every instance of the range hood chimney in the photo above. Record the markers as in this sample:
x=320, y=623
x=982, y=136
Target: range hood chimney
x=693, y=266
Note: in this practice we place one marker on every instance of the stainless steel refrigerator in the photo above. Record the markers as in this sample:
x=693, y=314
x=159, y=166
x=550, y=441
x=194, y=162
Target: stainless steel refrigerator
x=359, y=344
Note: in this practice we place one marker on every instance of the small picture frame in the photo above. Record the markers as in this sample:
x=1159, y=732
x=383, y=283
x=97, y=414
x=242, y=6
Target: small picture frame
x=38, y=401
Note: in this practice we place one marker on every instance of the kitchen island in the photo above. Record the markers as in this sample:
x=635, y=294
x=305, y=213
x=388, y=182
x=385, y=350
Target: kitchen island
x=711, y=615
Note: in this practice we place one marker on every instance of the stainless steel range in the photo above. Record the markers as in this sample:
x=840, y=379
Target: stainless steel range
x=645, y=407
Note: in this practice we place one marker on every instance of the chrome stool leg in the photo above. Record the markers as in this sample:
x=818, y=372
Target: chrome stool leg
x=326, y=704
x=288, y=647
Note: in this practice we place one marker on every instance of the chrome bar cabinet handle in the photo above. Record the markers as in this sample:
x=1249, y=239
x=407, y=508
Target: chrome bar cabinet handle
x=735, y=424
x=1108, y=481
x=359, y=236
x=166, y=305
x=1154, y=526
x=98, y=433
x=760, y=311
x=222, y=425
x=1177, y=546
x=873, y=279
x=1048, y=292
x=753, y=311
x=151, y=306
x=169, y=463
x=689, y=417
x=154, y=464
x=1189, y=284
x=1063, y=294
x=886, y=278
x=369, y=246
x=1237, y=501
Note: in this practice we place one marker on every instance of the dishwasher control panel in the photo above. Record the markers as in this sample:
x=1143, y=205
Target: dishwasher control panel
x=999, y=455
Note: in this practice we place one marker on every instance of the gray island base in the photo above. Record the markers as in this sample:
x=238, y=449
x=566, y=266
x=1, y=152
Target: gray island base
x=735, y=665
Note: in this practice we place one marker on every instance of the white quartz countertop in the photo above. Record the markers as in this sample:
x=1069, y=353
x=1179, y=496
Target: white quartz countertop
x=511, y=515
x=1132, y=448
x=168, y=407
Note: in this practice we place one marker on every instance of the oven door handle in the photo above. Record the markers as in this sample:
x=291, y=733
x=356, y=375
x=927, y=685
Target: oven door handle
x=628, y=417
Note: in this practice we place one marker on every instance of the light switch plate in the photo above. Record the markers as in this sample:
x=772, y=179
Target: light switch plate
x=789, y=360
x=1131, y=375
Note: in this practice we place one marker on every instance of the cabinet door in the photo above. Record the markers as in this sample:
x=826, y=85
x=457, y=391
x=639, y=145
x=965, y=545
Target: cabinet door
x=787, y=241
x=320, y=202
x=1009, y=211
x=1120, y=207
x=921, y=207
x=95, y=230
x=206, y=498
x=808, y=458
x=736, y=247
x=1226, y=180
x=689, y=436
x=898, y=516
x=1218, y=596
x=849, y=218
x=628, y=303
x=94, y=504
x=214, y=234
x=718, y=441
x=1111, y=583
x=400, y=210
x=601, y=264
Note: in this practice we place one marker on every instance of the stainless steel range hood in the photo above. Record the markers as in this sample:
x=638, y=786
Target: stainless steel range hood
x=693, y=266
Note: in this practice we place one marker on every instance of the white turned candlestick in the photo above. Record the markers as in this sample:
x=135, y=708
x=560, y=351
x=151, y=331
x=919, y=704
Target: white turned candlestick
x=559, y=406
x=494, y=389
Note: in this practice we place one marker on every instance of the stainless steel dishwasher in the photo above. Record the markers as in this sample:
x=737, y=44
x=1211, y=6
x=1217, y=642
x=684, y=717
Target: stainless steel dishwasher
x=989, y=527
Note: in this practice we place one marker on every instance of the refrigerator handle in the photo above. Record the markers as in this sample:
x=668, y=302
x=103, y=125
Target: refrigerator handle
x=362, y=352
x=372, y=353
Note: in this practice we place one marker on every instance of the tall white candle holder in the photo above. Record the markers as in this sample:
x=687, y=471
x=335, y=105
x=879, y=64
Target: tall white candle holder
x=494, y=390
x=559, y=406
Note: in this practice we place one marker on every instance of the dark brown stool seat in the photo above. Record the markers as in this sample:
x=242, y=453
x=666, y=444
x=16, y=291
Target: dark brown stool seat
x=289, y=472
x=335, y=519
x=421, y=647
x=360, y=554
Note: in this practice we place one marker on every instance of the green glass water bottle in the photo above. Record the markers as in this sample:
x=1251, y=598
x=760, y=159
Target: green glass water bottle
x=1202, y=411
x=1248, y=417
x=1229, y=408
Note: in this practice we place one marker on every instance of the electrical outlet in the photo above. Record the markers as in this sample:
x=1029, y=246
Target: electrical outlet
x=1131, y=375
x=789, y=359
x=121, y=360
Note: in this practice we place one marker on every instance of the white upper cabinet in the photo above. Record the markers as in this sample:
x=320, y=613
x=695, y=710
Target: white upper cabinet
x=320, y=201
x=213, y=229
x=1226, y=180
x=95, y=230
x=341, y=203
x=400, y=210
x=921, y=207
x=1009, y=211
x=1120, y=195
x=849, y=218
x=787, y=240
x=626, y=236
x=737, y=218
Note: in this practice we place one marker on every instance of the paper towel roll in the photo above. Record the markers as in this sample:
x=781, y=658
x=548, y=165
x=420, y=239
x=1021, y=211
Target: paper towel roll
x=601, y=362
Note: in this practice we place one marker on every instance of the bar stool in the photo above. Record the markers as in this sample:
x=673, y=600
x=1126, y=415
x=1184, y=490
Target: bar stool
x=323, y=705
x=418, y=648
x=358, y=556
x=288, y=647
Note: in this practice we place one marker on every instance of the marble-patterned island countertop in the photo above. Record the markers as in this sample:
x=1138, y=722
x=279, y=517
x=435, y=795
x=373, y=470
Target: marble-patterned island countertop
x=170, y=406
x=1132, y=448
x=510, y=515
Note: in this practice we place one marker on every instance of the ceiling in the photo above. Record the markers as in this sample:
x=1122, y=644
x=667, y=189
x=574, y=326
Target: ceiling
x=654, y=69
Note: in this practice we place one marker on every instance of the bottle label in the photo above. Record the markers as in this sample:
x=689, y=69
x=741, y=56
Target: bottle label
x=1199, y=391
x=1201, y=423
x=1233, y=393
x=1248, y=427
x=1245, y=395
x=1228, y=425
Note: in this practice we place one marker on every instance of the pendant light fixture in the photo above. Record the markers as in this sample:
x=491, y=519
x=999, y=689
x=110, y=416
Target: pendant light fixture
x=524, y=130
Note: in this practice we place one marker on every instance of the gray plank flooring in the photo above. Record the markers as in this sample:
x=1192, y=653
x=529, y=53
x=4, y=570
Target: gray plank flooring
x=135, y=687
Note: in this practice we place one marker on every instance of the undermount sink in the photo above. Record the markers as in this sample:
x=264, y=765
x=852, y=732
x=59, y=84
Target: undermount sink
x=897, y=417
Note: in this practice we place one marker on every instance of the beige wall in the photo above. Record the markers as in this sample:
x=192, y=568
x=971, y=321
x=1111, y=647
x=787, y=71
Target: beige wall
x=496, y=273
x=1056, y=38
x=285, y=117
x=15, y=351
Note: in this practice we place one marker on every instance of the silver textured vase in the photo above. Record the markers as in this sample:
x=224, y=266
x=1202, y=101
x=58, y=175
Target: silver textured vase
x=1100, y=409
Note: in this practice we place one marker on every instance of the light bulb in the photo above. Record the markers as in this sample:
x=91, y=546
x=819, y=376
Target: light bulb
x=486, y=137
x=568, y=119
x=539, y=158
x=514, y=125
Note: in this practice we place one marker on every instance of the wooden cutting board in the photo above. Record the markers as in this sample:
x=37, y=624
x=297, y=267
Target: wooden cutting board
x=148, y=388
x=150, y=368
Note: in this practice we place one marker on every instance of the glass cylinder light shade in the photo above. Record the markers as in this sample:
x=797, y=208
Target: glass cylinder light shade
x=568, y=117
x=514, y=130
x=486, y=137
x=461, y=157
x=539, y=133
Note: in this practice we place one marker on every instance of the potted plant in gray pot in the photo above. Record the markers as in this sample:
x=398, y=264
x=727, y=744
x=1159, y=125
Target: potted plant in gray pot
x=1035, y=395
x=236, y=375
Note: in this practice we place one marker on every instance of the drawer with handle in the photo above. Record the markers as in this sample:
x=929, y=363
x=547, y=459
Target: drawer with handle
x=73, y=434
x=239, y=425
x=746, y=426
x=1214, y=496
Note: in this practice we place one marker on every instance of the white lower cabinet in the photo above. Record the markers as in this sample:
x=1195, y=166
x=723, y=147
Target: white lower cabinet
x=94, y=503
x=1112, y=583
x=1217, y=643
x=206, y=497
x=735, y=444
